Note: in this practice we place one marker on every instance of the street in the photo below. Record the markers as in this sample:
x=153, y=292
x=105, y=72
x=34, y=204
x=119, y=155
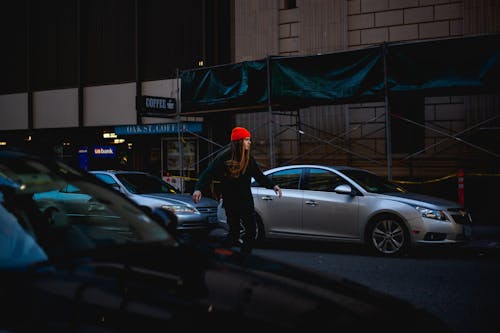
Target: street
x=459, y=285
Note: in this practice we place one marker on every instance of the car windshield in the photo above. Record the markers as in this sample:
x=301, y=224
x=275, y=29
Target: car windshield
x=58, y=210
x=141, y=183
x=372, y=183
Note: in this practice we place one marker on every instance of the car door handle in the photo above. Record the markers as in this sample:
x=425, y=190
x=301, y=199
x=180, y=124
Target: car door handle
x=267, y=198
x=311, y=203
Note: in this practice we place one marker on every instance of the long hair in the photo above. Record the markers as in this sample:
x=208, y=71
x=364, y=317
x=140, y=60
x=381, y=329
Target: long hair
x=240, y=157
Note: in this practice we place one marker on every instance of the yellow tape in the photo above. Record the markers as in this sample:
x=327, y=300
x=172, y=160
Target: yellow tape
x=445, y=177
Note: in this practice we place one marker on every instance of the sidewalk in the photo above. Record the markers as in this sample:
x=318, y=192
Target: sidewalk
x=485, y=236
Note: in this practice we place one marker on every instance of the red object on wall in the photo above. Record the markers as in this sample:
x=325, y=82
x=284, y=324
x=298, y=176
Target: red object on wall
x=461, y=195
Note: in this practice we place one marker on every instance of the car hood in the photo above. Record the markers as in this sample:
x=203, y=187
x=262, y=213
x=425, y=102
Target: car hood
x=418, y=199
x=210, y=288
x=183, y=198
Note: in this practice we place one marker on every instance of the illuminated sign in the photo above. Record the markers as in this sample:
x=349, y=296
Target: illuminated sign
x=155, y=106
x=169, y=128
x=103, y=151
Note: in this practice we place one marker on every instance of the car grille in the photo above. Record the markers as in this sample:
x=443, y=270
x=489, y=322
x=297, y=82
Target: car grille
x=210, y=217
x=207, y=210
x=460, y=216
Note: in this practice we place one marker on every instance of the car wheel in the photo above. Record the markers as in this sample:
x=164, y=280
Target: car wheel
x=259, y=231
x=388, y=235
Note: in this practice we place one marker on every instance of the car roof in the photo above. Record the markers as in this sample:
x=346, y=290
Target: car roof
x=335, y=167
x=118, y=171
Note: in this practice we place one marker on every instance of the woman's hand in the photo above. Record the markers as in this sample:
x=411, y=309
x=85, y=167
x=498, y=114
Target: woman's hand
x=196, y=196
x=277, y=189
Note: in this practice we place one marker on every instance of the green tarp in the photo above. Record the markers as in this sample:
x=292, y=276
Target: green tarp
x=450, y=66
x=455, y=66
x=321, y=79
x=227, y=86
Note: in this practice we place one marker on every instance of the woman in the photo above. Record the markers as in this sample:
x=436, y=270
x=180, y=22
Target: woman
x=235, y=168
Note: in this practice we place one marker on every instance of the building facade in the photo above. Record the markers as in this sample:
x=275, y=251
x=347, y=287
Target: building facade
x=354, y=134
x=76, y=71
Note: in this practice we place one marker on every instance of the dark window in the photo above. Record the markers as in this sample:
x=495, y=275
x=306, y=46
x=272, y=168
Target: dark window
x=108, y=41
x=371, y=182
x=407, y=136
x=144, y=183
x=179, y=34
x=13, y=55
x=106, y=178
x=217, y=32
x=289, y=4
x=288, y=179
x=171, y=37
x=321, y=180
x=53, y=44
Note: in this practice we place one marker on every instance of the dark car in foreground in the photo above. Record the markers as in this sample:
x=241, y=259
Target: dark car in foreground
x=114, y=267
x=352, y=205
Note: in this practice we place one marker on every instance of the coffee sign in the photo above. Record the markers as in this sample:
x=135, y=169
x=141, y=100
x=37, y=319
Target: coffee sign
x=156, y=106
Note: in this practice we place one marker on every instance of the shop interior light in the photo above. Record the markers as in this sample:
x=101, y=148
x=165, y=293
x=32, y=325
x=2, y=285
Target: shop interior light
x=109, y=135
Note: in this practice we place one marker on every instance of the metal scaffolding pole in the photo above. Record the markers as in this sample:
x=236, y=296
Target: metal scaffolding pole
x=179, y=134
x=270, y=114
x=388, y=138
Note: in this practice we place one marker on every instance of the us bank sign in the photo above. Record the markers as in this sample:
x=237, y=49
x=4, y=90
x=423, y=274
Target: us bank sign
x=169, y=128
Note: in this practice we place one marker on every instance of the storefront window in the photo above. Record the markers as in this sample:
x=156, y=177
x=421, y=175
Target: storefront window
x=172, y=155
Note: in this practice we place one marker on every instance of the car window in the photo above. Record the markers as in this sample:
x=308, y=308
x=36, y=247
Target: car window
x=92, y=215
x=70, y=189
x=372, y=183
x=321, y=180
x=287, y=179
x=65, y=211
x=139, y=183
x=106, y=178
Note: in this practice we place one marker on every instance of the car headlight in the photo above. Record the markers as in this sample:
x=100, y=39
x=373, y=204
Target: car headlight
x=432, y=213
x=181, y=209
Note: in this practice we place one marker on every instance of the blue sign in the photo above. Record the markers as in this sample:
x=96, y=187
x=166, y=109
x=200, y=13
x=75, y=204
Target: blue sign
x=103, y=151
x=83, y=158
x=167, y=128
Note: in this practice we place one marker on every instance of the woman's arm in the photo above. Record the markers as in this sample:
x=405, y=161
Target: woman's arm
x=213, y=170
x=262, y=179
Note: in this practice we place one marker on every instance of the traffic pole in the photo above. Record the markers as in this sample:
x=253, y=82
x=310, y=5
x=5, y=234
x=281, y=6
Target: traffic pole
x=461, y=195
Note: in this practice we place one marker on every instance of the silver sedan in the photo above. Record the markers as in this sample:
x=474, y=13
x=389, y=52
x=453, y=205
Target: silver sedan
x=345, y=204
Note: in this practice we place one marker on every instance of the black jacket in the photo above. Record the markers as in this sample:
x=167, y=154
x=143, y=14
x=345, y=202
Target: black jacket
x=236, y=192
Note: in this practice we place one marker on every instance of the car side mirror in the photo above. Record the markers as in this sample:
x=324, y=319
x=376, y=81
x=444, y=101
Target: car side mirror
x=344, y=189
x=166, y=219
x=116, y=187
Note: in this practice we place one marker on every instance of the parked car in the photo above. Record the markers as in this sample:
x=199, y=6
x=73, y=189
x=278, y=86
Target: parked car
x=152, y=192
x=345, y=204
x=121, y=271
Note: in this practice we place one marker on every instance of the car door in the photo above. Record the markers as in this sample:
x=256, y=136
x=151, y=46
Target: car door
x=325, y=212
x=280, y=216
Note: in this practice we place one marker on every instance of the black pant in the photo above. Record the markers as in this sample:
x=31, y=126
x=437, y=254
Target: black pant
x=237, y=219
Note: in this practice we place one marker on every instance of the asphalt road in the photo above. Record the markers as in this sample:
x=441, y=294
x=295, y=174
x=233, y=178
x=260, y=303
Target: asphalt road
x=461, y=285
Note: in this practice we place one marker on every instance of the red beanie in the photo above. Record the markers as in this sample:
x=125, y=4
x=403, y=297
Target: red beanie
x=239, y=133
